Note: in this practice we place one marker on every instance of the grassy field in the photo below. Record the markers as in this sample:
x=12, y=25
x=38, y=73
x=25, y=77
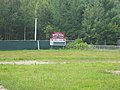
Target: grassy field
x=84, y=70
x=59, y=55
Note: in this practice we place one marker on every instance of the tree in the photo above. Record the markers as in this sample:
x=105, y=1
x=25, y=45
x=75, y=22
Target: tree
x=110, y=30
x=93, y=17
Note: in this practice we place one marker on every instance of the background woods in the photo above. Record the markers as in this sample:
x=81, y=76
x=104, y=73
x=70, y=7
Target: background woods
x=95, y=21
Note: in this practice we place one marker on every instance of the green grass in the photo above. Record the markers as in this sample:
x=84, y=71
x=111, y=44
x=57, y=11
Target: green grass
x=85, y=75
x=59, y=55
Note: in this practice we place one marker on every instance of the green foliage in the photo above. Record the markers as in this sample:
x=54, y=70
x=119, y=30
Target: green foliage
x=77, y=44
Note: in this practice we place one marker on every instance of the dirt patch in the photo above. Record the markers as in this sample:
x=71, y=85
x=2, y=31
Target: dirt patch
x=2, y=88
x=117, y=72
x=30, y=63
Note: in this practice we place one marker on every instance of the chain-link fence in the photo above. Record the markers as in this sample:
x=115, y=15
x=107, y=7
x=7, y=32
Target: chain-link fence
x=109, y=47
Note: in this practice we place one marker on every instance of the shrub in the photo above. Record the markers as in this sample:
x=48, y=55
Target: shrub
x=77, y=44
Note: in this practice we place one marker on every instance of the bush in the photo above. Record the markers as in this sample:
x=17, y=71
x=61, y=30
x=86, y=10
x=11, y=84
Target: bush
x=77, y=44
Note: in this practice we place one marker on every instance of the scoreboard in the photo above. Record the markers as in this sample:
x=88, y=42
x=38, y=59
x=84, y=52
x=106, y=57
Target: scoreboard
x=57, y=39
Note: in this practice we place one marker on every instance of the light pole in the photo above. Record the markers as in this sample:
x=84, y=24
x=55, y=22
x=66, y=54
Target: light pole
x=36, y=34
x=35, y=38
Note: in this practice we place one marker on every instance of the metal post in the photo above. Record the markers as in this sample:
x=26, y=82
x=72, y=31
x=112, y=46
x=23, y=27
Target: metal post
x=35, y=29
x=38, y=44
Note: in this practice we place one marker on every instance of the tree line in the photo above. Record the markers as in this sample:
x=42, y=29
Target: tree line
x=94, y=21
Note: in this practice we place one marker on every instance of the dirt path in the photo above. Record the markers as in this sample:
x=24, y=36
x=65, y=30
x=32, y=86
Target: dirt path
x=29, y=62
x=45, y=62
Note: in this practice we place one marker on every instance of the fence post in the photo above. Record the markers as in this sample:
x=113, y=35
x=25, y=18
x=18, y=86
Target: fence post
x=38, y=44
